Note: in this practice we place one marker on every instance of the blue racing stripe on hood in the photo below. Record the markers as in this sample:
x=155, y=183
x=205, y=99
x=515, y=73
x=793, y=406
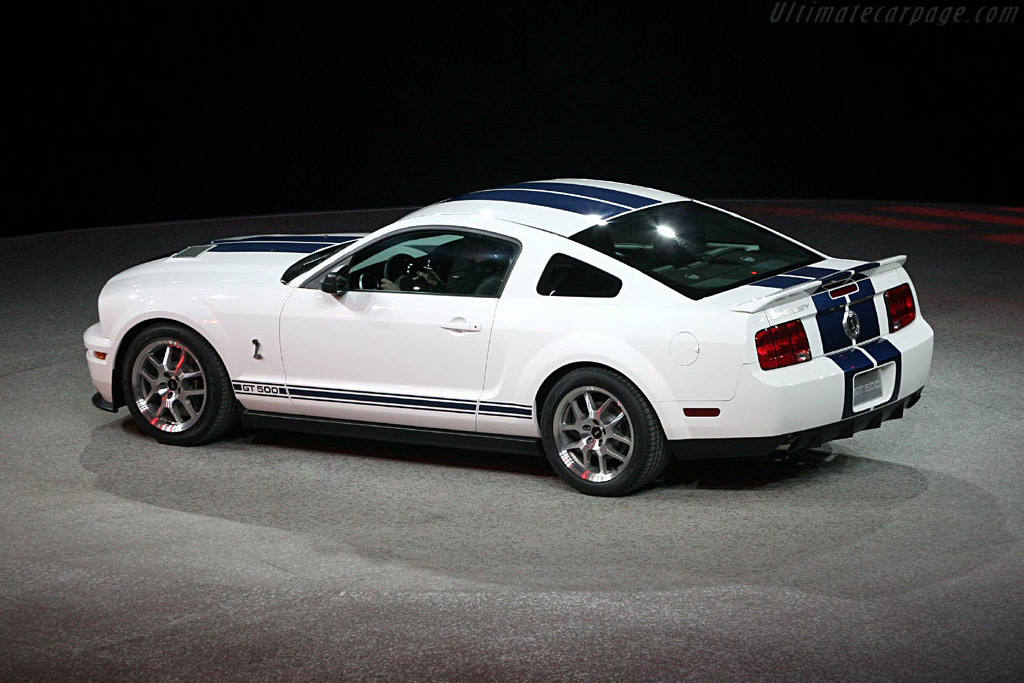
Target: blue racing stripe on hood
x=327, y=239
x=293, y=244
x=290, y=247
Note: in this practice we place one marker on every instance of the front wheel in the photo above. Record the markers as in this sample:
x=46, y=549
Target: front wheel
x=601, y=435
x=176, y=387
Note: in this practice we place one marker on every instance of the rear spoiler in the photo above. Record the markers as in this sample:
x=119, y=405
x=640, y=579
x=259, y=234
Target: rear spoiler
x=885, y=265
x=795, y=292
x=813, y=286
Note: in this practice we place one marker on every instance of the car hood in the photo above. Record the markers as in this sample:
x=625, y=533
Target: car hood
x=255, y=258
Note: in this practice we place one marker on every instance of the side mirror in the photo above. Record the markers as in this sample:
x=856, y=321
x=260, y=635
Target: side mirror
x=335, y=283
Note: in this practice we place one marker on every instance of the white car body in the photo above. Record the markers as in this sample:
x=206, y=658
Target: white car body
x=477, y=365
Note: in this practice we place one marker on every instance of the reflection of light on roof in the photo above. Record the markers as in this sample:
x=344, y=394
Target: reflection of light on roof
x=485, y=213
x=666, y=231
x=597, y=219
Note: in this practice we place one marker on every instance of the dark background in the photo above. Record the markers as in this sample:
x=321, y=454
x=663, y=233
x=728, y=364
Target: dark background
x=129, y=116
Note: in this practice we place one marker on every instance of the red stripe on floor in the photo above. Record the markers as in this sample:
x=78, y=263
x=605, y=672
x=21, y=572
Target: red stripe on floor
x=1019, y=209
x=778, y=210
x=1005, y=238
x=890, y=222
x=956, y=213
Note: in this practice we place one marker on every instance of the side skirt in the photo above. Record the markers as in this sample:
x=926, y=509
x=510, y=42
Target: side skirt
x=369, y=430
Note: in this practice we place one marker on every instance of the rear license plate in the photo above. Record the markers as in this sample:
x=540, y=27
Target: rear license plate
x=867, y=387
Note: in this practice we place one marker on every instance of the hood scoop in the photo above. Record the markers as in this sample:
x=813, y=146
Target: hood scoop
x=192, y=252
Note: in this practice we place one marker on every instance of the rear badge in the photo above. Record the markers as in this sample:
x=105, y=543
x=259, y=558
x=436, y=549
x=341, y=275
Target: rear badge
x=851, y=325
x=867, y=388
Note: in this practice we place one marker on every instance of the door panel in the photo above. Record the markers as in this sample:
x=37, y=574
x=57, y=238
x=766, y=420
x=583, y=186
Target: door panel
x=413, y=359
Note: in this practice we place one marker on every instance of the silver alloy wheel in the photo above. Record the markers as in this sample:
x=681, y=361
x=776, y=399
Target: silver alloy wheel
x=168, y=385
x=593, y=434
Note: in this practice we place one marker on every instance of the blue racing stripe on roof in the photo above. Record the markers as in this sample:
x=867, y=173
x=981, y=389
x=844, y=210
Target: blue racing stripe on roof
x=564, y=202
x=634, y=201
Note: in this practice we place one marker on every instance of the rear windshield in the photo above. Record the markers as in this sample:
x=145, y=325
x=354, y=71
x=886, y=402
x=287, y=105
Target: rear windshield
x=696, y=250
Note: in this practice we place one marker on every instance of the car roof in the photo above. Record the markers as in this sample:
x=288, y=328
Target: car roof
x=564, y=206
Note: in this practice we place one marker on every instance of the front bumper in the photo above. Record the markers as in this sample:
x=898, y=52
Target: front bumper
x=101, y=370
x=704, y=449
x=103, y=404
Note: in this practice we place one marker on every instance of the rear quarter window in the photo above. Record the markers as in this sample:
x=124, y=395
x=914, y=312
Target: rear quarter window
x=566, y=276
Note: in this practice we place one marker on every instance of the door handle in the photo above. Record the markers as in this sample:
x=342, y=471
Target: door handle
x=460, y=325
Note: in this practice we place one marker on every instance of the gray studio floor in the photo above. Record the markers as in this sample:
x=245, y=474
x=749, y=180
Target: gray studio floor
x=895, y=555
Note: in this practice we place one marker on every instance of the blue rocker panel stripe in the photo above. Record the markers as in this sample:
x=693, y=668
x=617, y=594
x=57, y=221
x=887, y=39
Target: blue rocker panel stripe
x=328, y=395
x=396, y=401
x=505, y=410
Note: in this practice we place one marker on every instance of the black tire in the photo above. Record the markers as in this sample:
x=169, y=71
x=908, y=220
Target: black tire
x=186, y=405
x=575, y=443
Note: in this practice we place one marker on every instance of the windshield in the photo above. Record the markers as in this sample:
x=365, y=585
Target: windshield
x=696, y=250
x=307, y=262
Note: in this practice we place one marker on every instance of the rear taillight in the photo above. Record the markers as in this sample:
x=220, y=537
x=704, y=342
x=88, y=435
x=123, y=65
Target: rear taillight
x=899, y=304
x=782, y=345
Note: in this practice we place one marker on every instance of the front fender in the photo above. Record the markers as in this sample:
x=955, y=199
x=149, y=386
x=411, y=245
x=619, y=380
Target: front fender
x=228, y=321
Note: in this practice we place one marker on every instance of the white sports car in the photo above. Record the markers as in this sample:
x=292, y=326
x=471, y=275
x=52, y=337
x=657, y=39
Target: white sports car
x=617, y=325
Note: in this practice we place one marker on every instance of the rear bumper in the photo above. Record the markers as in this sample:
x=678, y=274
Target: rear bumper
x=808, y=396
x=702, y=449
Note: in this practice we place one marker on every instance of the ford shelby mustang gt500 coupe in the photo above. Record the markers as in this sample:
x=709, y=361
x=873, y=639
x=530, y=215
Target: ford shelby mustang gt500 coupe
x=615, y=324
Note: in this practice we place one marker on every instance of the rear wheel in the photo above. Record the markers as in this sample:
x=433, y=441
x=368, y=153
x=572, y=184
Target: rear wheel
x=601, y=435
x=176, y=387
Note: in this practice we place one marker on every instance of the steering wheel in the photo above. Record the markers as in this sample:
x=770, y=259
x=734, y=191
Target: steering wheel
x=368, y=281
x=398, y=265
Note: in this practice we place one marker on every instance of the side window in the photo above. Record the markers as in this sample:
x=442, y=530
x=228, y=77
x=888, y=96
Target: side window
x=436, y=261
x=566, y=276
